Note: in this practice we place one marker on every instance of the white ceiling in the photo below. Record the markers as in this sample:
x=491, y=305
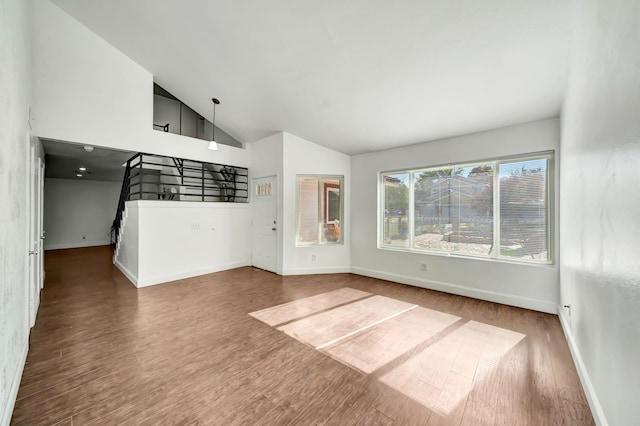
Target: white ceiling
x=355, y=76
x=63, y=160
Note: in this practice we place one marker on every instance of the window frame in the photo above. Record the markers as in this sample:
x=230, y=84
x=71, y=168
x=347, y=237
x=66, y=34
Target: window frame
x=323, y=198
x=495, y=253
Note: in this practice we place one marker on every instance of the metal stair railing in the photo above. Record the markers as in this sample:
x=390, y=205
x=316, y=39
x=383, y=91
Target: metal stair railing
x=159, y=177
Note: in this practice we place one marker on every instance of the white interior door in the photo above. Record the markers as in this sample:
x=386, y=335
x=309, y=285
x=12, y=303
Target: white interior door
x=265, y=229
x=34, y=241
x=40, y=222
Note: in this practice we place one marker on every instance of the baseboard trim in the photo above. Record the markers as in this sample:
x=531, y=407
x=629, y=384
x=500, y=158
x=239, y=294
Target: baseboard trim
x=161, y=279
x=127, y=273
x=15, y=385
x=63, y=246
x=491, y=296
x=587, y=386
x=320, y=270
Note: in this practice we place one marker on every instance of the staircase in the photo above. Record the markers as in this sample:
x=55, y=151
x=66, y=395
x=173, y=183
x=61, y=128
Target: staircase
x=158, y=177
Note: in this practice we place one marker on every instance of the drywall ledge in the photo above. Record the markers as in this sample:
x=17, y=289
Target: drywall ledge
x=177, y=240
x=490, y=296
x=594, y=403
x=15, y=385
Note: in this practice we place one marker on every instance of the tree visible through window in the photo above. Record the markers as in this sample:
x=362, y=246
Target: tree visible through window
x=496, y=208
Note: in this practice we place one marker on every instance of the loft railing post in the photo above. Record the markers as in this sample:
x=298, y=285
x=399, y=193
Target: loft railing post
x=141, y=177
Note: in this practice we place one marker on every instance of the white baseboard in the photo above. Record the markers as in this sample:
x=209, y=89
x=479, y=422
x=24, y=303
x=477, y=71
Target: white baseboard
x=320, y=270
x=160, y=279
x=594, y=403
x=15, y=385
x=127, y=273
x=62, y=246
x=491, y=296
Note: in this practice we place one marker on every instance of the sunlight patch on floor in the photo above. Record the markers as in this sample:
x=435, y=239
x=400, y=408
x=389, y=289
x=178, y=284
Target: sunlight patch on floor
x=368, y=332
x=339, y=323
x=375, y=347
x=443, y=374
x=286, y=312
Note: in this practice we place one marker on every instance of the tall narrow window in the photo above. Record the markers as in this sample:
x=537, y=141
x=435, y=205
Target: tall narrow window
x=523, y=209
x=320, y=210
x=395, y=224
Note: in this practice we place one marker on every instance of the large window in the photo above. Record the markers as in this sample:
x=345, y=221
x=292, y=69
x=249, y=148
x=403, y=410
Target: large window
x=319, y=210
x=497, y=208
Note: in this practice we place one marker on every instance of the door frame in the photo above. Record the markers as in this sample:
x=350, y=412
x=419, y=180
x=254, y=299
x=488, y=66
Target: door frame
x=34, y=232
x=278, y=225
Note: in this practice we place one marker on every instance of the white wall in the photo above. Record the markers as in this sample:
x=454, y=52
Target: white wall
x=15, y=98
x=529, y=286
x=303, y=157
x=600, y=207
x=126, y=256
x=78, y=213
x=87, y=91
x=178, y=240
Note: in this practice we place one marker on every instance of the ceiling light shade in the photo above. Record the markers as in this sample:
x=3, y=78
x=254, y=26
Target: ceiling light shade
x=213, y=145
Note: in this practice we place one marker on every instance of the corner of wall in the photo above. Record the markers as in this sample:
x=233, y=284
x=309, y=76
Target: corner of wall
x=589, y=390
x=15, y=385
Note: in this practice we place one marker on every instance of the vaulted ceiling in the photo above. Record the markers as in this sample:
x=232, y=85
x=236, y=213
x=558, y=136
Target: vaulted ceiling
x=355, y=76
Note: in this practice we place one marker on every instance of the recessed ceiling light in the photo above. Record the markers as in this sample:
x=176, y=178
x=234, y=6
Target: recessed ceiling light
x=79, y=174
x=82, y=169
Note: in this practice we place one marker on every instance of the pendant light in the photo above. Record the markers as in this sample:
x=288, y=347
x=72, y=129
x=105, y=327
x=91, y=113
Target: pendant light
x=213, y=145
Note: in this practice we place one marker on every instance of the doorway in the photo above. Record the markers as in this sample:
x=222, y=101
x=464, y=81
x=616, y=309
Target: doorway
x=264, y=218
x=35, y=194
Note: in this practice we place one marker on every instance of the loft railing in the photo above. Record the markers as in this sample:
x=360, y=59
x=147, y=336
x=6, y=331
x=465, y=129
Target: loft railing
x=158, y=177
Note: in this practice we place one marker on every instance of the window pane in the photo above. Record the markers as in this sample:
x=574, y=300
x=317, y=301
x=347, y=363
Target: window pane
x=523, y=209
x=307, y=209
x=319, y=210
x=331, y=199
x=396, y=210
x=454, y=209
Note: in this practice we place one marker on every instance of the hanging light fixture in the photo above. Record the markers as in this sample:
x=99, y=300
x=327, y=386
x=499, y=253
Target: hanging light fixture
x=213, y=145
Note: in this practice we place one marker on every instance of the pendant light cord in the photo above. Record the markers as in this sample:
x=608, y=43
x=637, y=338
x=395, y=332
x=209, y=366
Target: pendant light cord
x=213, y=133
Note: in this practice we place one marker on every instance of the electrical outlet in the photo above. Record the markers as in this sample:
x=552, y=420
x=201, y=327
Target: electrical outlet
x=423, y=267
x=313, y=257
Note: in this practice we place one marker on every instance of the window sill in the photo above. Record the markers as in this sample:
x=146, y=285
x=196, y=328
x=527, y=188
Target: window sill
x=341, y=243
x=468, y=256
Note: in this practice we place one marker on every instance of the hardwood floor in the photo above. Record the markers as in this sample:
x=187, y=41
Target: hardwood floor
x=104, y=352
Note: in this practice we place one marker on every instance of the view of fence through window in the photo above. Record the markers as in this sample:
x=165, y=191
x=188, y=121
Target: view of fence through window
x=453, y=209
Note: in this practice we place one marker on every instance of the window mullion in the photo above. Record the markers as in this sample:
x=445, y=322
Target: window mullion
x=496, y=209
x=411, y=215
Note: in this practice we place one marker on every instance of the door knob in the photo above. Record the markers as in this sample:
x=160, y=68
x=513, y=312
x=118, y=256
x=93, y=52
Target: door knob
x=273, y=229
x=35, y=253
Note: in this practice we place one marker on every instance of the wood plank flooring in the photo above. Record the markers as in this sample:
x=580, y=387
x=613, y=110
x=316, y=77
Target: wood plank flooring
x=103, y=352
